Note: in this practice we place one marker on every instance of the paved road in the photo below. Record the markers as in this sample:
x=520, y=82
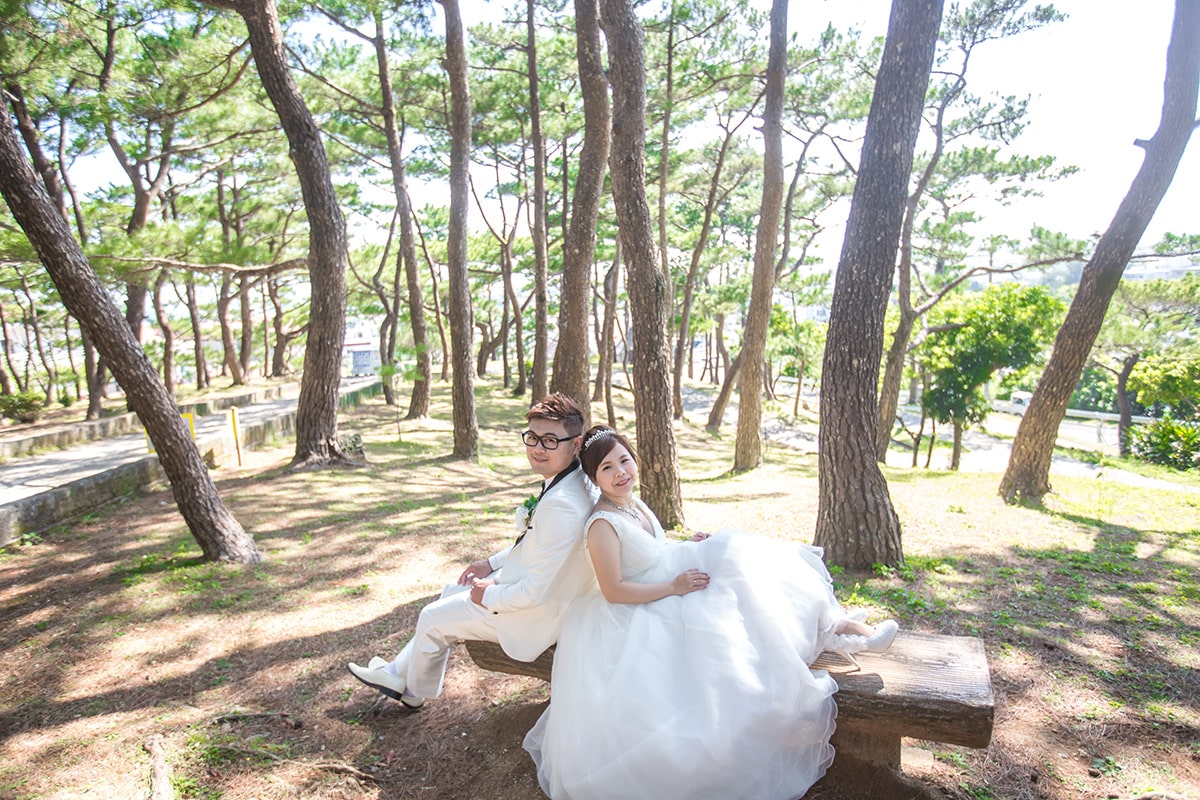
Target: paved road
x=986, y=449
x=30, y=475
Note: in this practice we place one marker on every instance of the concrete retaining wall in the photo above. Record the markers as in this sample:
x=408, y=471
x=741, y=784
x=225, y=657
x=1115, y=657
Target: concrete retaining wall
x=35, y=514
x=121, y=424
x=45, y=510
x=88, y=431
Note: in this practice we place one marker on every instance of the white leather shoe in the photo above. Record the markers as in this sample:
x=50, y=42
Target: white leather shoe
x=411, y=701
x=379, y=679
x=376, y=662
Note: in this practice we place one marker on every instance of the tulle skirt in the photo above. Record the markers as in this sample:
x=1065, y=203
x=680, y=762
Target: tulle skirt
x=706, y=695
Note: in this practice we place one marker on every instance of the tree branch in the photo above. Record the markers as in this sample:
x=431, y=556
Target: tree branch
x=219, y=268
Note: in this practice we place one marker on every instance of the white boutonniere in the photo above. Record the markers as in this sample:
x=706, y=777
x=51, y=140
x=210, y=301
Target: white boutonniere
x=524, y=513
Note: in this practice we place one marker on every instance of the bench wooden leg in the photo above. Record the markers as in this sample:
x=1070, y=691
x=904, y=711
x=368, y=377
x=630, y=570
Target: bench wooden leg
x=867, y=748
x=866, y=765
x=865, y=761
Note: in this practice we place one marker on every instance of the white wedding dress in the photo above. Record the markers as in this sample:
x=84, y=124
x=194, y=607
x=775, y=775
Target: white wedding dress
x=705, y=696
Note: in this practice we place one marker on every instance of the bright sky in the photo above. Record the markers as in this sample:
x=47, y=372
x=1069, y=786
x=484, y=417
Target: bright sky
x=1095, y=82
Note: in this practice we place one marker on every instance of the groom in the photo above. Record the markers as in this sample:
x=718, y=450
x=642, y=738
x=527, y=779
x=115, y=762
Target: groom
x=517, y=596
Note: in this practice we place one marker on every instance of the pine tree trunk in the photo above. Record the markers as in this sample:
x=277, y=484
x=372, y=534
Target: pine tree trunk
x=956, y=452
x=659, y=475
x=893, y=376
x=93, y=370
x=317, y=407
x=716, y=414
x=164, y=325
x=34, y=326
x=541, y=267
x=202, y=379
x=246, y=320
x=466, y=428
x=1124, y=407
x=283, y=339
x=856, y=523
x=418, y=405
x=747, y=452
x=607, y=345
x=571, y=370
x=219, y=534
x=1028, y=473
x=893, y=371
x=664, y=155
x=438, y=316
x=683, y=338
x=232, y=362
x=518, y=335
x=33, y=143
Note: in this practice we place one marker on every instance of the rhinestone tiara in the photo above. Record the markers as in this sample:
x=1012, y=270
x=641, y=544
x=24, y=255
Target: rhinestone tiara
x=600, y=434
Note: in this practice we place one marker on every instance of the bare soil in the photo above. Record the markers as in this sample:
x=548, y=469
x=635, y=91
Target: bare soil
x=112, y=631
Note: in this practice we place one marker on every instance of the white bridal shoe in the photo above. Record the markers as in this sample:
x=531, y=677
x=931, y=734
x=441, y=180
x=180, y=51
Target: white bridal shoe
x=846, y=645
x=882, y=638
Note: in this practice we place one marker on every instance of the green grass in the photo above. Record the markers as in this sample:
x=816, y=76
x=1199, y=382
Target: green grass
x=1134, y=465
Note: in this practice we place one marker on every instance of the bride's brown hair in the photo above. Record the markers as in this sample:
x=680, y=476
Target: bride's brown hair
x=598, y=442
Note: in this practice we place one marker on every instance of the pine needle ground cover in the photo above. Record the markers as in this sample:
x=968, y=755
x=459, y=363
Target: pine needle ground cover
x=113, y=635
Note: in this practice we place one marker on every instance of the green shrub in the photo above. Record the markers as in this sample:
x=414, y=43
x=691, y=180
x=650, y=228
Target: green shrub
x=1167, y=442
x=22, y=406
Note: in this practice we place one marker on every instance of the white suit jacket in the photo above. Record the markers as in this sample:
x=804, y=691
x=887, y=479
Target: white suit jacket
x=538, y=578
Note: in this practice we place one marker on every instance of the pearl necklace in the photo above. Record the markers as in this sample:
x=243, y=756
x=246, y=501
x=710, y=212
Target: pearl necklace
x=630, y=510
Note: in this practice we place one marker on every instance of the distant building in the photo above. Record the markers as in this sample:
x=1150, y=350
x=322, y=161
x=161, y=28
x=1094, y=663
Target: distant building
x=360, y=351
x=1165, y=268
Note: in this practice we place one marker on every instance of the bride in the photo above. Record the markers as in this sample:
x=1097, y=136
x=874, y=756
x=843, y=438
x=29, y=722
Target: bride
x=685, y=675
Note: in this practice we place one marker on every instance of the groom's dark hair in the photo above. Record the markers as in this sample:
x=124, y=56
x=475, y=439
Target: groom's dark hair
x=558, y=407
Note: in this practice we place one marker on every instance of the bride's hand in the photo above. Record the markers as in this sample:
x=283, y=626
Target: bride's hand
x=691, y=581
x=699, y=537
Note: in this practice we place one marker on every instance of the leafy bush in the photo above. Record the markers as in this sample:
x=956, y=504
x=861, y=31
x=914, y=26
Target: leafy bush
x=1167, y=442
x=22, y=406
x=1096, y=391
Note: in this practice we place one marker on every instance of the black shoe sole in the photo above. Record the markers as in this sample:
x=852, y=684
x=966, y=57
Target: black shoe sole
x=384, y=690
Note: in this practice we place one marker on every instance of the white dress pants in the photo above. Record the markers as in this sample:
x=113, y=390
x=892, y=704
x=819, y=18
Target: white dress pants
x=447, y=620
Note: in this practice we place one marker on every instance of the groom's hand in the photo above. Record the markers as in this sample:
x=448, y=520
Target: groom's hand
x=476, y=569
x=477, y=588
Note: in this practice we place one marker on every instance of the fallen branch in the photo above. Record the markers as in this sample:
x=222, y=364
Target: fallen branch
x=148, y=263
x=160, y=773
x=332, y=766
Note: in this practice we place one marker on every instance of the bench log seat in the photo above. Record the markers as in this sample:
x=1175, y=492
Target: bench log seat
x=926, y=686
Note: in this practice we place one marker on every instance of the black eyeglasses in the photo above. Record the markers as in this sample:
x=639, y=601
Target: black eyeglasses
x=549, y=441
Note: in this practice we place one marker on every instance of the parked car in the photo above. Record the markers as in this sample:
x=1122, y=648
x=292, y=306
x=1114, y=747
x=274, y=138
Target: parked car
x=1018, y=402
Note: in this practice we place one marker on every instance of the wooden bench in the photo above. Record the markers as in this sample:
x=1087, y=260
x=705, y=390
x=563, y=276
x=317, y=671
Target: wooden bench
x=925, y=686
